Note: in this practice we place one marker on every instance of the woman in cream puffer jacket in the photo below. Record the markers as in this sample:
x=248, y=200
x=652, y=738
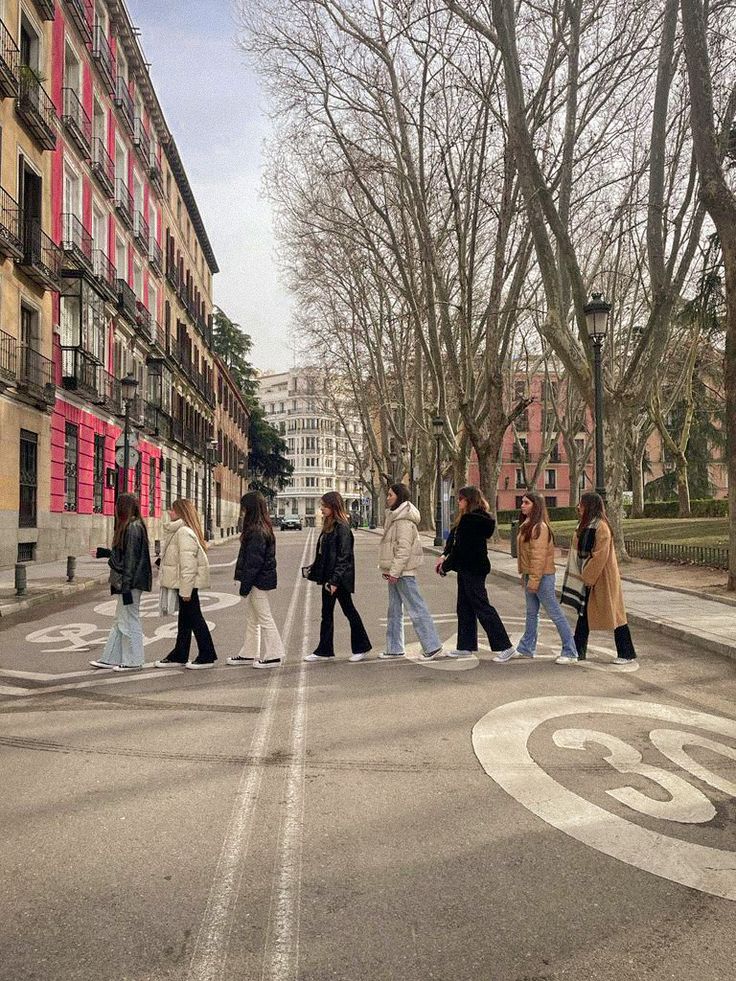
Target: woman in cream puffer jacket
x=399, y=556
x=185, y=568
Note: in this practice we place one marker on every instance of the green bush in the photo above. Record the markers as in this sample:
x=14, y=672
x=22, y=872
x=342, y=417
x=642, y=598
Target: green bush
x=555, y=514
x=708, y=508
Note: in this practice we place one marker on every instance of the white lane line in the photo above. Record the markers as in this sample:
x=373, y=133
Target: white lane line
x=281, y=955
x=223, y=565
x=210, y=950
x=104, y=678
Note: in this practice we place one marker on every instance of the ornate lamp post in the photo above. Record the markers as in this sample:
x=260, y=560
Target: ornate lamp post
x=596, y=315
x=128, y=387
x=438, y=428
x=212, y=445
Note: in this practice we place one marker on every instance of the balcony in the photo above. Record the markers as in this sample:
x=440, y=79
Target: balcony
x=143, y=319
x=9, y=64
x=141, y=231
x=124, y=201
x=155, y=173
x=8, y=357
x=155, y=255
x=172, y=276
x=80, y=12
x=124, y=102
x=77, y=122
x=103, y=168
x=109, y=392
x=156, y=421
x=79, y=372
x=159, y=336
x=127, y=302
x=36, y=375
x=11, y=243
x=105, y=275
x=142, y=140
x=42, y=258
x=102, y=54
x=76, y=243
x=47, y=9
x=36, y=109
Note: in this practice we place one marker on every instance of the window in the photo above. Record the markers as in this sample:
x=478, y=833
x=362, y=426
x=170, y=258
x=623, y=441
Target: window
x=99, y=474
x=29, y=44
x=551, y=502
x=218, y=503
x=138, y=476
x=169, y=501
x=138, y=279
x=520, y=482
x=71, y=466
x=188, y=493
x=179, y=480
x=550, y=479
x=28, y=481
x=518, y=501
x=121, y=258
x=152, y=466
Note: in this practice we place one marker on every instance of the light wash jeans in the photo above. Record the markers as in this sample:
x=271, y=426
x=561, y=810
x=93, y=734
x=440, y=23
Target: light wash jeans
x=546, y=597
x=125, y=643
x=406, y=592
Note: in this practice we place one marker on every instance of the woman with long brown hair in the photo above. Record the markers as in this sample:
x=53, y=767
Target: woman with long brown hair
x=130, y=576
x=186, y=569
x=255, y=570
x=466, y=553
x=334, y=569
x=536, y=564
x=592, y=583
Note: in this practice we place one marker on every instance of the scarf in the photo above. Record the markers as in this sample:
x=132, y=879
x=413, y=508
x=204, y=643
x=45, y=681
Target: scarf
x=574, y=590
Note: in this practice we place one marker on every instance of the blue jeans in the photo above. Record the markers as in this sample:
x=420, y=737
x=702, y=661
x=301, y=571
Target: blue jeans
x=406, y=592
x=125, y=643
x=546, y=597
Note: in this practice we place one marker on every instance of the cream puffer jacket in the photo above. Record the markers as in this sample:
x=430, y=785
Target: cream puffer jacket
x=184, y=563
x=400, y=552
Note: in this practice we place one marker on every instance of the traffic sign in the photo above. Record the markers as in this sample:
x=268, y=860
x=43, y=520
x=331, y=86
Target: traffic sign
x=132, y=441
x=133, y=457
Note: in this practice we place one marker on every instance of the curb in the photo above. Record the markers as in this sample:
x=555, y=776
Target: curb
x=11, y=609
x=709, y=644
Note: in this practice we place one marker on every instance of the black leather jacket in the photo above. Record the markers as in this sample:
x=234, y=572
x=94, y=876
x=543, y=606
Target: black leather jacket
x=467, y=545
x=256, y=565
x=334, y=563
x=130, y=563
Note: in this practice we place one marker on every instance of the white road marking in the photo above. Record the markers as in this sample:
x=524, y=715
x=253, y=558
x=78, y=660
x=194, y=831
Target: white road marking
x=210, y=950
x=500, y=742
x=281, y=956
x=104, y=678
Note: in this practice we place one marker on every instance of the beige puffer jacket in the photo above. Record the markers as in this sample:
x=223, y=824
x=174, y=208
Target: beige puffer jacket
x=184, y=563
x=400, y=552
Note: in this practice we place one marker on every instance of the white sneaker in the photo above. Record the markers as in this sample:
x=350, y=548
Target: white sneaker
x=459, y=653
x=200, y=665
x=624, y=660
x=271, y=662
x=385, y=656
x=102, y=664
x=317, y=657
x=431, y=655
x=128, y=667
x=240, y=659
x=504, y=656
x=566, y=659
x=361, y=656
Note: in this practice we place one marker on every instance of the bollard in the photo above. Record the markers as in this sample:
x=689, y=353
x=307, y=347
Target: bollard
x=71, y=567
x=20, y=579
x=514, y=533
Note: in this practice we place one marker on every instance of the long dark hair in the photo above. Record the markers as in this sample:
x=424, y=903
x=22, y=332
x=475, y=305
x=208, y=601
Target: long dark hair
x=531, y=526
x=476, y=501
x=593, y=507
x=127, y=510
x=334, y=501
x=403, y=494
x=254, y=509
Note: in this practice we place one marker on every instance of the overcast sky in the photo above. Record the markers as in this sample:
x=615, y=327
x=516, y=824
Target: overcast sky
x=215, y=111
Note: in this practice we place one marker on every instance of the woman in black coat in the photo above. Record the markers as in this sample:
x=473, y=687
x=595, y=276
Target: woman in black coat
x=466, y=553
x=334, y=569
x=255, y=570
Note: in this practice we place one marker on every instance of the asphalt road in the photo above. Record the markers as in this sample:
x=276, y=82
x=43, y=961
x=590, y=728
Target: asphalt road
x=455, y=821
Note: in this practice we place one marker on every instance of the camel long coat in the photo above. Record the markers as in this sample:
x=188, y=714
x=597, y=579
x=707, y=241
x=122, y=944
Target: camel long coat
x=606, y=609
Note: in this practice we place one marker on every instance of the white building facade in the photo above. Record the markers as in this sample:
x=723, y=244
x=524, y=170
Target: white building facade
x=323, y=451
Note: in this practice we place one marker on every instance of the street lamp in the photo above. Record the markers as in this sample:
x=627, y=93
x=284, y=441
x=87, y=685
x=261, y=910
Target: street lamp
x=212, y=445
x=438, y=428
x=373, y=498
x=596, y=316
x=128, y=387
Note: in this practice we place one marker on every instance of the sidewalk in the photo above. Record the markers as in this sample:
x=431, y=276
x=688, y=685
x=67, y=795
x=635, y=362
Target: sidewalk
x=47, y=581
x=704, y=622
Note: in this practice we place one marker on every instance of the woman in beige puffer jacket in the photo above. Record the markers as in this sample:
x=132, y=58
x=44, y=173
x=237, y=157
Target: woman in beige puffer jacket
x=399, y=556
x=185, y=568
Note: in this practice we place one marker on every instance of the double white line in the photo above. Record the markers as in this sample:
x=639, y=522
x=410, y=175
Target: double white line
x=280, y=958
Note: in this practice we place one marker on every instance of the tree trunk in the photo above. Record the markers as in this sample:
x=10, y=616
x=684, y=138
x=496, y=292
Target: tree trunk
x=617, y=429
x=683, y=488
x=637, y=478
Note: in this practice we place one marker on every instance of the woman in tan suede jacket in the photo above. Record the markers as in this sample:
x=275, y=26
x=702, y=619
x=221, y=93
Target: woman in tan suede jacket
x=536, y=563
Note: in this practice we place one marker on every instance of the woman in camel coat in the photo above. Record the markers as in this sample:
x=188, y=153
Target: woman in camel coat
x=593, y=580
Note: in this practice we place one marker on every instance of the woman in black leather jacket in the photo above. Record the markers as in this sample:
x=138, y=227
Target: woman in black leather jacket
x=334, y=569
x=130, y=576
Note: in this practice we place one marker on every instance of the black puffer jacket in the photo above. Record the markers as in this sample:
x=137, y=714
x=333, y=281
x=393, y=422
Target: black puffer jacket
x=467, y=548
x=256, y=565
x=334, y=562
x=130, y=562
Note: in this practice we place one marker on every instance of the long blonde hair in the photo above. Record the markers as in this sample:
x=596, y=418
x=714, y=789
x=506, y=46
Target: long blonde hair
x=185, y=510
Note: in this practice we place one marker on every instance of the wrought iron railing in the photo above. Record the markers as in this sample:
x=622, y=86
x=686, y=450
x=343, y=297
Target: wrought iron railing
x=109, y=392
x=77, y=121
x=154, y=172
x=715, y=557
x=124, y=101
x=143, y=318
x=8, y=356
x=123, y=200
x=127, y=301
x=36, y=373
x=104, y=271
x=155, y=255
x=102, y=53
x=142, y=140
x=103, y=167
x=47, y=9
x=79, y=371
x=36, y=108
x=77, y=241
x=9, y=63
x=42, y=258
x=10, y=230
x=141, y=231
x=82, y=14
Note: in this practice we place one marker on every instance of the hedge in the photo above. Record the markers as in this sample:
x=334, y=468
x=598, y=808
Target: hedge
x=707, y=508
x=555, y=514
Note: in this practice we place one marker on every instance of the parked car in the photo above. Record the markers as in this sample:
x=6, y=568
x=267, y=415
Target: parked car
x=291, y=522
